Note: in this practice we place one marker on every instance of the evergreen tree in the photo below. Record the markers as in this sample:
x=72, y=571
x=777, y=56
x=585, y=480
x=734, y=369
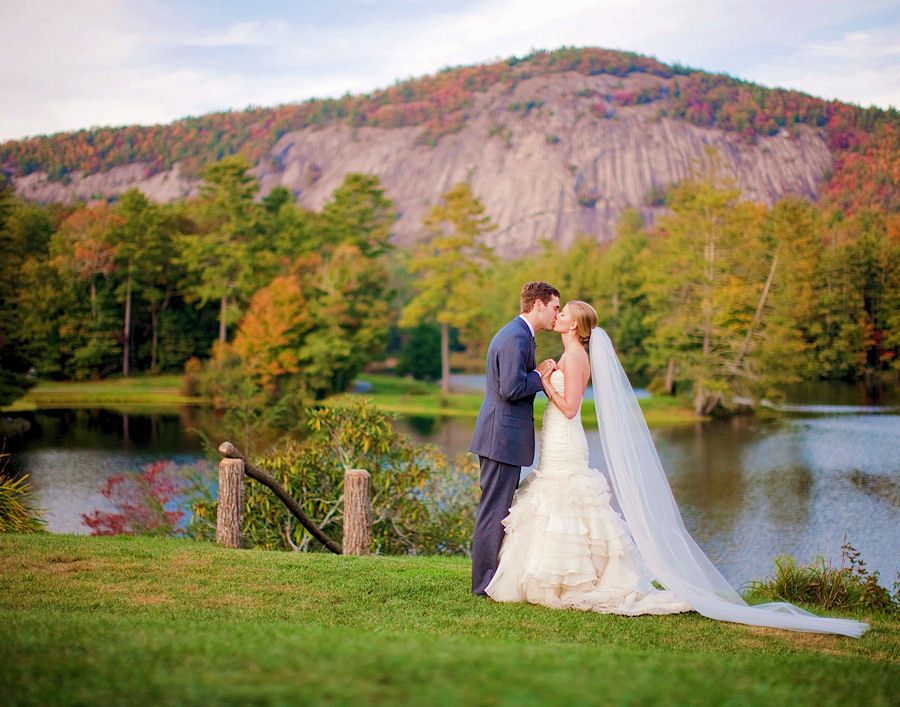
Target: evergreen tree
x=359, y=214
x=223, y=254
x=421, y=355
x=142, y=244
x=13, y=362
x=853, y=331
x=775, y=349
x=449, y=268
x=838, y=329
x=620, y=300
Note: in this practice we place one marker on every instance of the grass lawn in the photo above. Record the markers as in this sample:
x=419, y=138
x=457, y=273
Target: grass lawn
x=161, y=621
x=409, y=397
x=133, y=392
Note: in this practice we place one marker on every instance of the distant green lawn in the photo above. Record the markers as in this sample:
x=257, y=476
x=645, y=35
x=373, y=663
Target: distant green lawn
x=161, y=621
x=424, y=399
x=392, y=394
x=135, y=391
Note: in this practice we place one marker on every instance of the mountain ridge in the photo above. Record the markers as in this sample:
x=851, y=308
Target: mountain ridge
x=556, y=144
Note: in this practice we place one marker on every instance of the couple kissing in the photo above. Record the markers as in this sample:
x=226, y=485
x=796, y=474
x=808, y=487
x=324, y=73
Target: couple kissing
x=556, y=539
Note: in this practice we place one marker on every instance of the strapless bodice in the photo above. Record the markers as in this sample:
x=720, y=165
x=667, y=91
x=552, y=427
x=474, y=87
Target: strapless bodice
x=563, y=444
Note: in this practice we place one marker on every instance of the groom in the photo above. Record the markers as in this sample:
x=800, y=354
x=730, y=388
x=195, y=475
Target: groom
x=504, y=432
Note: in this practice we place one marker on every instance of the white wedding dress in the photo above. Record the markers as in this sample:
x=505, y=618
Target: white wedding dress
x=565, y=546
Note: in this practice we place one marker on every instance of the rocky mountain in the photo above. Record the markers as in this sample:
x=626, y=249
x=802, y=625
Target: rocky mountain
x=552, y=153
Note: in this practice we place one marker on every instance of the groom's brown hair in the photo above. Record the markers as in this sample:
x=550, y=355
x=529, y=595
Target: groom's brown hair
x=534, y=291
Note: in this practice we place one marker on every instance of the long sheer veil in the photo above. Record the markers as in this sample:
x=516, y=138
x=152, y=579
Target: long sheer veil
x=646, y=500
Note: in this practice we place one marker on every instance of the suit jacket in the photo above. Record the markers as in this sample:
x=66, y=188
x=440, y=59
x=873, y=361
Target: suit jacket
x=504, y=430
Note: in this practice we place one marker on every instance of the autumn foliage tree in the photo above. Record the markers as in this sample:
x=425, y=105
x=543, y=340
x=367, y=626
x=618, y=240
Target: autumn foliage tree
x=272, y=331
x=85, y=246
x=82, y=256
x=701, y=279
x=310, y=331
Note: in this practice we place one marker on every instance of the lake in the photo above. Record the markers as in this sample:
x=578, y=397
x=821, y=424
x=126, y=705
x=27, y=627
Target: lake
x=748, y=489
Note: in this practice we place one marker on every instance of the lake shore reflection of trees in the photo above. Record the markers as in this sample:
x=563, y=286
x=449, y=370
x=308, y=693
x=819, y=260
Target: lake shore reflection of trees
x=268, y=307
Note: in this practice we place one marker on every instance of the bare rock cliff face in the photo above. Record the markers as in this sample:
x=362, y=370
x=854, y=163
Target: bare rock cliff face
x=162, y=186
x=549, y=159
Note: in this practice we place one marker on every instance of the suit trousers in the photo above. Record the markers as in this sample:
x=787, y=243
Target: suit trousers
x=498, y=484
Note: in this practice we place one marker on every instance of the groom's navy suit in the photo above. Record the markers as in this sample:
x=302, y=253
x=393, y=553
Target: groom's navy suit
x=503, y=440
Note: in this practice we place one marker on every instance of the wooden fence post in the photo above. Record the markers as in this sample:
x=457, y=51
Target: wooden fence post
x=357, y=513
x=231, y=502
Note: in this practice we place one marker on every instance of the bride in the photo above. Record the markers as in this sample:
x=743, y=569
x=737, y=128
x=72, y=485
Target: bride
x=565, y=546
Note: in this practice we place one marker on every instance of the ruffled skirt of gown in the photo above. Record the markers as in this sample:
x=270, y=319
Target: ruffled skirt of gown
x=565, y=546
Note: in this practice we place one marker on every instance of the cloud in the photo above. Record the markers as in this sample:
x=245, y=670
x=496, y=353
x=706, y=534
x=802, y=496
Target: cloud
x=860, y=67
x=243, y=34
x=872, y=46
x=107, y=62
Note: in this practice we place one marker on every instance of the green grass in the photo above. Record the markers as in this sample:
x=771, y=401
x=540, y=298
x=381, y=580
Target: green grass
x=392, y=394
x=149, y=620
x=133, y=392
x=424, y=399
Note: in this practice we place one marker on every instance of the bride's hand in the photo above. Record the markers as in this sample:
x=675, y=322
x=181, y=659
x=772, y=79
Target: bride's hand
x=546, y=367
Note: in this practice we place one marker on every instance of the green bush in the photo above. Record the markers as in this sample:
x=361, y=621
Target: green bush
x=217, y=378
x=421, y=503
x=847, y=586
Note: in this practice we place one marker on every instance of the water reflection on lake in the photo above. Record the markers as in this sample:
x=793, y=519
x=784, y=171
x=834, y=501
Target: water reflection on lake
x=69, y=454
x=749, y=490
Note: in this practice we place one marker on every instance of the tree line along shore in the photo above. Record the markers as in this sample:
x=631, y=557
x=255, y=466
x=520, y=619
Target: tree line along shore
x=260, y=302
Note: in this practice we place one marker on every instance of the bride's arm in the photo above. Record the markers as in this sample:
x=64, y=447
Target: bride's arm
x=549, y=390
x=575, y=369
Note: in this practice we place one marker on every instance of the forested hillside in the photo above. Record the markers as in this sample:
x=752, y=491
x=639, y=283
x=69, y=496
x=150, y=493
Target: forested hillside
x=556, y=143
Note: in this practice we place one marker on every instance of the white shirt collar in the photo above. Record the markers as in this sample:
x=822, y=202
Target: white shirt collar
x=530, y=328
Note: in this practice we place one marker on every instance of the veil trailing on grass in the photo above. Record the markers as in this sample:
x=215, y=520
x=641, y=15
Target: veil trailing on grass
x=667, y=548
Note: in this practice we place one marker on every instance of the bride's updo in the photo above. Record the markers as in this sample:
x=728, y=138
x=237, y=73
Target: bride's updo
x=586, y=318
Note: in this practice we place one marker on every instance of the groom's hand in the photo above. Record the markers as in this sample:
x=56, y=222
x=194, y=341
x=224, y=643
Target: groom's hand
x=546, y=367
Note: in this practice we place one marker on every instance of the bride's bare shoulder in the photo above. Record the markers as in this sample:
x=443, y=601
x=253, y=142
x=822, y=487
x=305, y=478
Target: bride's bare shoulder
x=574, y=361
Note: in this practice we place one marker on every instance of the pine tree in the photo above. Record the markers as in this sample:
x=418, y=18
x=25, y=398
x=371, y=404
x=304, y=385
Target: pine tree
x=449, y=268
x=222, y=255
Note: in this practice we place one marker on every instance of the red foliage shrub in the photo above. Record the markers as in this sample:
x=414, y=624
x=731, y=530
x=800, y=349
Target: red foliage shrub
x=140, y=501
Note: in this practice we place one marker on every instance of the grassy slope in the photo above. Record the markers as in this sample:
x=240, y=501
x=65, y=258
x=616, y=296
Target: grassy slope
x=392, y=394
x=145, y=620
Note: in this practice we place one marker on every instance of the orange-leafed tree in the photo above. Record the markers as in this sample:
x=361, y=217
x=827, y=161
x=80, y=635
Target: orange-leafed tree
x=83, y=246
x=308, y=333
x=272, y=330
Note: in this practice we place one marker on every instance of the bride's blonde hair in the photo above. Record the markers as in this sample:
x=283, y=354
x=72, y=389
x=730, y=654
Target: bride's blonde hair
x=585, y=317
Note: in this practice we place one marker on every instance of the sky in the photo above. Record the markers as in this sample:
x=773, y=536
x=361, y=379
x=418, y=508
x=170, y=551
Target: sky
x=70, y=64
